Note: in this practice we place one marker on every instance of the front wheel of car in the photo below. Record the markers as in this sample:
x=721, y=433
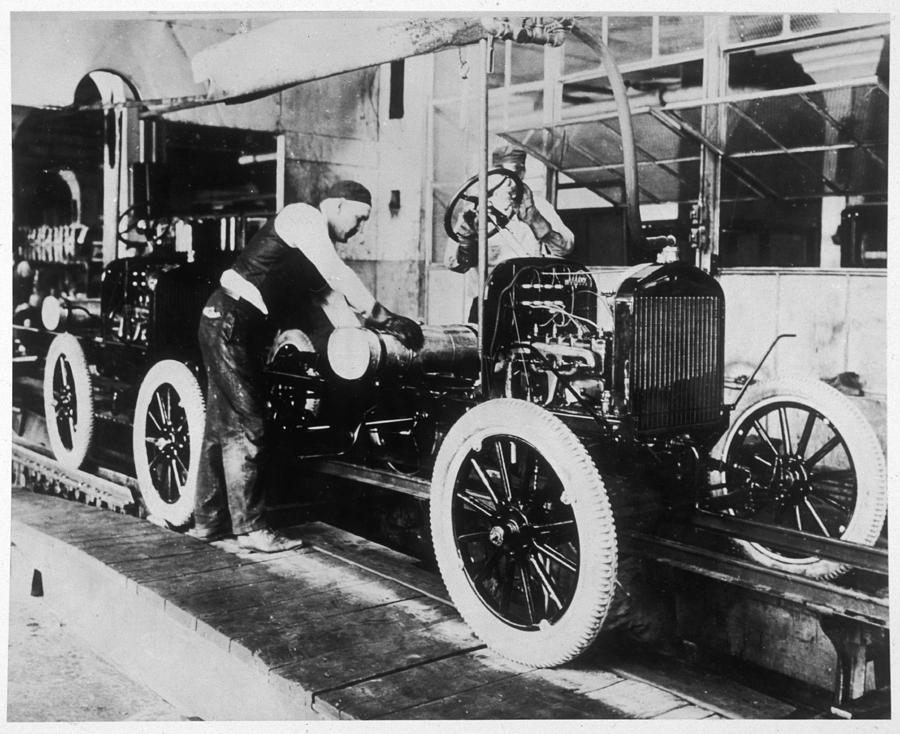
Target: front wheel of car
x=523, y=532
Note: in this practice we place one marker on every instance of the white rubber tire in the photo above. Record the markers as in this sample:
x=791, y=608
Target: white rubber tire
x=577, y=628
x=178, y=382
x=66, y=360
x=863, y=447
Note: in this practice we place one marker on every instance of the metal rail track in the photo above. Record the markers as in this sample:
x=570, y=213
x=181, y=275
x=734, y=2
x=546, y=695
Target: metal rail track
x=34, y=468
x=822, y=597
x=843, y=610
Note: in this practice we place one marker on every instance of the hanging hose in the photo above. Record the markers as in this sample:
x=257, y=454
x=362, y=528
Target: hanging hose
x=629, y=159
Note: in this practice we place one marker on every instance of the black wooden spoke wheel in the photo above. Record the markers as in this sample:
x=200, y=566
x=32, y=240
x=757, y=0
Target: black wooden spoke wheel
x=68, y=401
x=523, y=532
x=168, y=434
x=462, y=212
x=800, y=455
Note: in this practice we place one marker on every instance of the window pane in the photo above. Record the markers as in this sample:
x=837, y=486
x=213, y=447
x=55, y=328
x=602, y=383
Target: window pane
x=514, y=109
x=814, y=22
x=579, y=57
x=753, y=27
x=497, y=76
x=631, y=38
x=648, y=87
x=678, y=33
x=527, y=63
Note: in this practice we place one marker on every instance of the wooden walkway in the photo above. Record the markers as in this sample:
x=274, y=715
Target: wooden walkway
x=342, y=629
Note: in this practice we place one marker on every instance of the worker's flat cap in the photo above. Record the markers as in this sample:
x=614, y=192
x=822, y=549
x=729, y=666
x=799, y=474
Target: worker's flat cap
x=350, y=190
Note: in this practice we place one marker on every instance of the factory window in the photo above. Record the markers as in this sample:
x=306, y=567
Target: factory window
x=680, y=33
x=805, y=154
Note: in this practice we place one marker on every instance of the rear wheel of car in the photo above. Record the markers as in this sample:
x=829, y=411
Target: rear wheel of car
x=800, y=455
x=523, y=532
x=168, y=435
x=68, y=401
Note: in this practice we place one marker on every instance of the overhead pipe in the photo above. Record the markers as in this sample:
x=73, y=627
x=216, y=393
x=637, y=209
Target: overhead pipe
x=626, y=130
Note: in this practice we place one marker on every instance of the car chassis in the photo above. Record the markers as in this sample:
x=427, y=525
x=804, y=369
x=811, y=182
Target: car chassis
x=509, y=421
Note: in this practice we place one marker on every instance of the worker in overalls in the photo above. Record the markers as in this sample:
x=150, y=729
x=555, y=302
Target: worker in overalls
x=235, y=330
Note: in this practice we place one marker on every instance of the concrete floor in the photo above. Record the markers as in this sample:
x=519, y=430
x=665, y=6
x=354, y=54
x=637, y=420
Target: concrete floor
x=55, y=676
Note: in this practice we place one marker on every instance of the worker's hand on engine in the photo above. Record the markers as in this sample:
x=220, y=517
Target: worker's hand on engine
x=407, y=331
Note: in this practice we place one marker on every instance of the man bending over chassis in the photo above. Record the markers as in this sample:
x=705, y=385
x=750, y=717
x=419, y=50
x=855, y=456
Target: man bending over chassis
x=291, y=258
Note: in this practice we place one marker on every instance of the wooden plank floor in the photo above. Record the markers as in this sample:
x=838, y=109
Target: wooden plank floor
x=341, y=629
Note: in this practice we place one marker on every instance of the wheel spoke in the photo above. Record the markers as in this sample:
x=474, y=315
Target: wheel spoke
x=162, y=410
x=526, y=590
x=831, y=502
x=473, y=536
x=765, y=436
x=181, y=465
x=545, y=581
x=555, y=555
x=553, y=527
x=816, y=518
x=65, y=373
x=797, y=516
x=153, y=418
x=826, y=449
x=843, y=476
x=528, y=475
x=504, y=471
x=484, y=480
x=476, y=505
x=806, y=434
x=175, y=476
x=181, y=427
x=785, y=429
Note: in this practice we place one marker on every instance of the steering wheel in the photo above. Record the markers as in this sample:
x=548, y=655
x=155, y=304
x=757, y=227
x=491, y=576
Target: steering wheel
x=461, y=218
x=152, y=231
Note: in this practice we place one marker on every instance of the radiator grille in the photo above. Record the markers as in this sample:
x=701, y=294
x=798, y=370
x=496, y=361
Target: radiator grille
x=676, y=362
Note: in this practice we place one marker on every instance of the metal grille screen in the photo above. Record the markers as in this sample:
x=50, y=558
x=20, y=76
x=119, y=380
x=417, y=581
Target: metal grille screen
x=676, y=371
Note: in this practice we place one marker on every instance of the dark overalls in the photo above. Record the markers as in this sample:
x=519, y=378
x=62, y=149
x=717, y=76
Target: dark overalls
x=234, y=336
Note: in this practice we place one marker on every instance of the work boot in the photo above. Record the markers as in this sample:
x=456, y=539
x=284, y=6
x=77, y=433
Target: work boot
x=209, y=536
x=267, y=541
